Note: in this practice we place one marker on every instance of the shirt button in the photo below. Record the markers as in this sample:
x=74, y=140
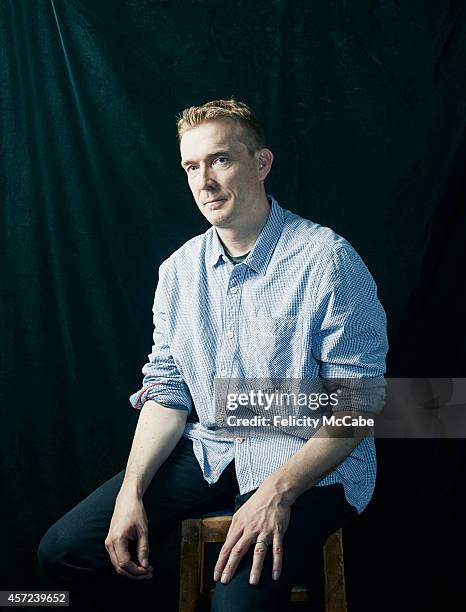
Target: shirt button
x=230, y=334
x=239, y=440
x=223, y=373
x=234, y=290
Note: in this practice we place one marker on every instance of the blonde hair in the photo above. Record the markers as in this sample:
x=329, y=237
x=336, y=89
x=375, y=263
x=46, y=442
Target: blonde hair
x=218, y=109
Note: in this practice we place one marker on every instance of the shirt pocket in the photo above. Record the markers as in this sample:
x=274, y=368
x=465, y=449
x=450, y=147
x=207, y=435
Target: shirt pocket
x=274, y=346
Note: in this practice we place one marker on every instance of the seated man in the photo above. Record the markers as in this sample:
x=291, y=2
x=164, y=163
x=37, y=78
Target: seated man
x=262, y=294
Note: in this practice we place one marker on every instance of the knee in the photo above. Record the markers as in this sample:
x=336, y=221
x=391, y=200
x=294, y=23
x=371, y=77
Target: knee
x=55, y=551
x=50, y=552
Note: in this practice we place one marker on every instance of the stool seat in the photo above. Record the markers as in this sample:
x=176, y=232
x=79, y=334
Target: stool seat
x=213, y=527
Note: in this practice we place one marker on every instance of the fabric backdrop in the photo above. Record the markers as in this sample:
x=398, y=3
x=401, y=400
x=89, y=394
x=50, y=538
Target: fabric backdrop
x=364, y=104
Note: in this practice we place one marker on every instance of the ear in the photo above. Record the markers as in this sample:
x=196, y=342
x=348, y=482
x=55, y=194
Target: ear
x=264, y=162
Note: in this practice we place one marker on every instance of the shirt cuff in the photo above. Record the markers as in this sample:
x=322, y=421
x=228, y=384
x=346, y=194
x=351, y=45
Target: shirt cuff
x=160, y=394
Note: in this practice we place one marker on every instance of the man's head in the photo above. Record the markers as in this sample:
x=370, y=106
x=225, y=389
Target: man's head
x=223, y=153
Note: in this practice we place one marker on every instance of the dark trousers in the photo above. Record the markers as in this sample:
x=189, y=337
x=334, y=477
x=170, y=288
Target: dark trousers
x=73, y=555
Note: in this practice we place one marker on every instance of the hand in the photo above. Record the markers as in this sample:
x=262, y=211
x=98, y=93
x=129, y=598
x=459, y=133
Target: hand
x=129, y=523
x=265, y=517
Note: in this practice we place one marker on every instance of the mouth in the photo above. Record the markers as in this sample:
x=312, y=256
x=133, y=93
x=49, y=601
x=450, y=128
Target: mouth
x=213, y=204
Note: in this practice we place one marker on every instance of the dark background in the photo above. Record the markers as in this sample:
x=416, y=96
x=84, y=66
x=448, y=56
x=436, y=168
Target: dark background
x=364, y=103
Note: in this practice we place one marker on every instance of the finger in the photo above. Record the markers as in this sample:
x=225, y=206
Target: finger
x=260, y=550
x=277, y=550
x=125, y=564
x=120, y=571
x=143, y=550
x=236, y=554
x=225, y=551
x=111, y=553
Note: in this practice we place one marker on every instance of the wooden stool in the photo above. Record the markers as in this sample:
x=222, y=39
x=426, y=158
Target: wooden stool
x=195, y=533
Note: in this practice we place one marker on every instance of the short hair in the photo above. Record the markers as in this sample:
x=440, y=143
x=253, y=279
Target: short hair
x=218, y=109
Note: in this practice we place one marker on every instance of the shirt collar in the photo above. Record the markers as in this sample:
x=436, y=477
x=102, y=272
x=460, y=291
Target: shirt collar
x=260, y=254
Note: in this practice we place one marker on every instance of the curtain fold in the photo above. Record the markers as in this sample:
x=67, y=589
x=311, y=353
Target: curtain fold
x=364, y=104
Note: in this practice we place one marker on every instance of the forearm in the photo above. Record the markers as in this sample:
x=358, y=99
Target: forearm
x=157, y=432
x=318, y=457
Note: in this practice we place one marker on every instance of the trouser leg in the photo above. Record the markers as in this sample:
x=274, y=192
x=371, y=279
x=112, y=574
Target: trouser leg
x=315, y=514
x=72, y=552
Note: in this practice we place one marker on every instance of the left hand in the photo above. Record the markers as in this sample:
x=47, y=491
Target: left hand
x=262, y=522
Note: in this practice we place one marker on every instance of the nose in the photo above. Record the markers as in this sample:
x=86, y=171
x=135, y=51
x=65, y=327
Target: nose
x=207, y=179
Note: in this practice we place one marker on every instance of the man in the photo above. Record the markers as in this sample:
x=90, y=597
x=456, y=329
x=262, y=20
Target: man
x=262, y=294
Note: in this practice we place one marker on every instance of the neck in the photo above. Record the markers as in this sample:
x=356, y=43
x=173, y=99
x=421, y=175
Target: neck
x=240, y=239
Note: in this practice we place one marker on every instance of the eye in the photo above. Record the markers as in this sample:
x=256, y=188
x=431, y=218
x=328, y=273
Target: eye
x=222, y=160
x=190, y=168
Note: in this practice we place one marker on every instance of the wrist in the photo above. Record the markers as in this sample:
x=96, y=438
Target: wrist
x=281, y=489
x=131, y=490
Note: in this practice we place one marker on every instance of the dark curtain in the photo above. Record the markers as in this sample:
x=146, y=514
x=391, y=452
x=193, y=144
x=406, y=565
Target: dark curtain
x=364, y=104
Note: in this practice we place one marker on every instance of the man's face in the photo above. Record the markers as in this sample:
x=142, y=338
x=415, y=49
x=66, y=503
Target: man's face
x=222, y=175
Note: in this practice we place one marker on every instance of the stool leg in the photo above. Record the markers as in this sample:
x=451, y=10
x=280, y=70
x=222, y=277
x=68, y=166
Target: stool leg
x=334, y=571
x=189, y=565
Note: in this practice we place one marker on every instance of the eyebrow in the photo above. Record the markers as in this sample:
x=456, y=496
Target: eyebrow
x=214, y=154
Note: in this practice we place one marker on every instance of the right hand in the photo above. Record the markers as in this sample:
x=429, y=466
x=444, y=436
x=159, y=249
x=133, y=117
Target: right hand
x=129, y=523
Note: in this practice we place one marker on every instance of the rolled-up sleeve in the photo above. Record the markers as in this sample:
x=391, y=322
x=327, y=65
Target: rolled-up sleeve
x=162, y=380
x=350, y=332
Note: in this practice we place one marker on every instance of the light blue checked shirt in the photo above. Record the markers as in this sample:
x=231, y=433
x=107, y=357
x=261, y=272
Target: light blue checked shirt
x=301, y=305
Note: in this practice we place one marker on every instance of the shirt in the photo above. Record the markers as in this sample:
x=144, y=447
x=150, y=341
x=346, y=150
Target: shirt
x=301, y=304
